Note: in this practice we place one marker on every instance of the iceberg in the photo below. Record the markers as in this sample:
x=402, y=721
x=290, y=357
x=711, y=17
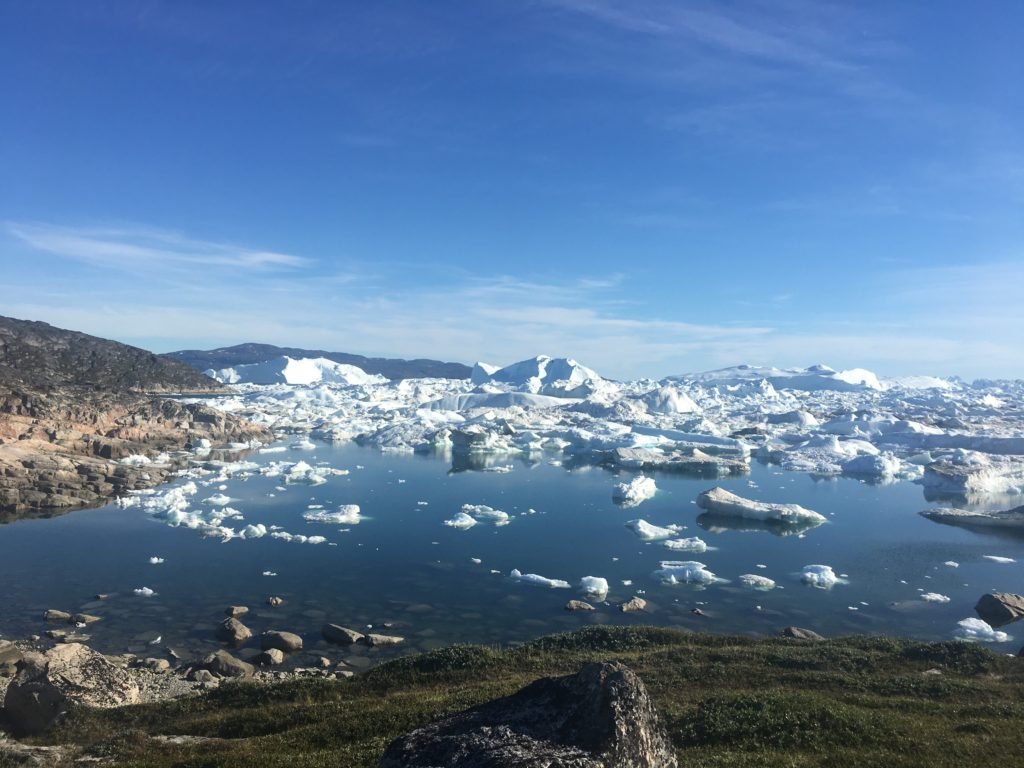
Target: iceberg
x=346, y=514
x=288, y=370
x=819, y=576
x=684, y=572
x=721, y=502
x=594, y=586
x=461, y=521
x=976, y=630
x=635, y=492
x=693, y=544
x=649, y=532
x=540, y=581
x=484, y=512
x=754, y=581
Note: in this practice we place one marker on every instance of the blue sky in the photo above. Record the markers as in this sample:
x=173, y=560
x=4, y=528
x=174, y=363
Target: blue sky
x=649, y=187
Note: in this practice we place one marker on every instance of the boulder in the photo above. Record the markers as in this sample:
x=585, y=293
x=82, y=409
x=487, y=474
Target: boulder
x=52, y=614
x=270, y=658
x=339, y=635
x=799, y=633
x=223, y=664
x=288, y=642
x=374, y=639
x=1000, y=608
x=234, y=611
x=598, y=718
x=157, y=665
x=46, y=683
x=10, y=655
x=633, y=604
x=85, y=618
x=233, y=632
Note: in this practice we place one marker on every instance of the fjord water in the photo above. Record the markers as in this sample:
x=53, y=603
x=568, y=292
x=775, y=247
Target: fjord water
x=402, y=566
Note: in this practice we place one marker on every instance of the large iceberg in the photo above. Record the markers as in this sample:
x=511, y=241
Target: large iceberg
x=287, y=370
x=721, y=502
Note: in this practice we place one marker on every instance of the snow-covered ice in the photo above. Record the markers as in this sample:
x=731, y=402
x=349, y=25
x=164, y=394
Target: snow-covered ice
x=819, y=576
x=684, y=571
x=719, y=501
x=649, y=532
x=755, y=581
x=637, y=490
x=539, y=581
x=594, y=587
x=976, y=630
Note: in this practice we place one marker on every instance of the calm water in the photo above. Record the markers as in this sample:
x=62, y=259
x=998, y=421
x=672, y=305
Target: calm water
x=402, y=565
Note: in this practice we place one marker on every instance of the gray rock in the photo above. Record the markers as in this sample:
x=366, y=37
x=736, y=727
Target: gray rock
x=202, y=676
x=233, y=632
x=1000, y=608
x=374, y=639
x=157, y=665
x=598, y=718
x=55, y=615
x=578, y=605
x=223, y=664
x=45, y=685
x=85, y=618
x=234, y=611
x=633, y=604
x=799, y=633
x=288, y=642
x=339, y=635
x=270, y=658
x=275, y=601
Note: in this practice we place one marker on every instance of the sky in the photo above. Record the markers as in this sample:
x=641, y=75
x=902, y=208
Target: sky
x=650, y=187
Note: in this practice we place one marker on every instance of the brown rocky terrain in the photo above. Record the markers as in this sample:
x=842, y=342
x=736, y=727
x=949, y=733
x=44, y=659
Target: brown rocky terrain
x=72, y=405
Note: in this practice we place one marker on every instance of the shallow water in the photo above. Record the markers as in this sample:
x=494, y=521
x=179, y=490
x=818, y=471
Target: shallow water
x=402, y=566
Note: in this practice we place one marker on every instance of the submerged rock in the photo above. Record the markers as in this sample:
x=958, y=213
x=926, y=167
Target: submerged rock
x=288, y=642
x=578, y=605
x=799, y=633
x=1000, y=608
x=374, y=639
x=233, y=632
x=598, y=718
x=339, y=635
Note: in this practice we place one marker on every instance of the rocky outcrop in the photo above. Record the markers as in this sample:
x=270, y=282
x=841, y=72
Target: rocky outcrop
x=47, y=683
x=599, y=718
x=799, y=633
x=1000, y=608
x=72, y=406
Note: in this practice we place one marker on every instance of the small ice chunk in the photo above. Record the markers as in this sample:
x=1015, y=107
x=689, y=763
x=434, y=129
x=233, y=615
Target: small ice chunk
x=976, y=630
x=144, y=592
x=218, y=500
x=347, y=514
x=484, y=512
x=819, y=576
x=475, y=560
x=952, y=563
x=155, y=560
x=649, y=532
x=754, y=581
x=934, y=597
x=269, y=573
x=694, y=544
x=304, y=445
x=636, y=491
x=999, y=559
x=684, y=571
x=461, y=521
x=257, y=531
x=594, y=586
x=540, y=581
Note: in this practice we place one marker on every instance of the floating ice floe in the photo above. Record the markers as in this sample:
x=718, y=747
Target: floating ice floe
x=144, y=592
x=297, y=538
x=257, y=531
x=1010, y=518
x=719, y=501
x=482, y=512
x=346, y=514
x=269, y=573
x=998, y=559
x=461, y=521
x=218, y=500
x=754, y=581
x=594, y=586
x=300, y=472
x=684, y=572
x=819, y=576
x=976, y=630
x=536, y=580
x=692, y=544
x=304, y=445
x=155, y=560
x=934, y=597
x=649, y=532
x=635, y=492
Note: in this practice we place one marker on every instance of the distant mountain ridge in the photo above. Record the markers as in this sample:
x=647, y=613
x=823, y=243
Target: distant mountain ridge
x=248, y=354
x=38, y=356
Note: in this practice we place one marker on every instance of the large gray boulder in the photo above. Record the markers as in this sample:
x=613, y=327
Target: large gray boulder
x=288, y=642
x=223, y=664
x=1000, y=608
x=339, y=635
x=47, y=683
x=233, y=632
x=601, y=717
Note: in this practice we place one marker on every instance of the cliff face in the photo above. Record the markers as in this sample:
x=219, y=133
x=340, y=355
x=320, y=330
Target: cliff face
x=71, y=405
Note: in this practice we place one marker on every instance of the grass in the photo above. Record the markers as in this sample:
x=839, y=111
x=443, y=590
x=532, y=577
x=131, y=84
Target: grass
x=725, y=701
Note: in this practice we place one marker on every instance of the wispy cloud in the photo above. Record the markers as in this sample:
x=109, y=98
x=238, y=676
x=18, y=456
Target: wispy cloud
x=140, y=248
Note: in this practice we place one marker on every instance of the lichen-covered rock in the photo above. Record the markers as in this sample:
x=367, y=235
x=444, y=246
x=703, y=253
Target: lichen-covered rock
x=1000, y=608
x=599, y=718
x=47, y=683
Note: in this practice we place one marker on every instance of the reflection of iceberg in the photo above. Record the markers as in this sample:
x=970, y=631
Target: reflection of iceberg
x=721, y=524
x=720, y=502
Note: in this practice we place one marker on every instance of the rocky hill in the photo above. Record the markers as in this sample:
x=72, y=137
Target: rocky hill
x=38, y=356
x=246, y=354
x=73, y=405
